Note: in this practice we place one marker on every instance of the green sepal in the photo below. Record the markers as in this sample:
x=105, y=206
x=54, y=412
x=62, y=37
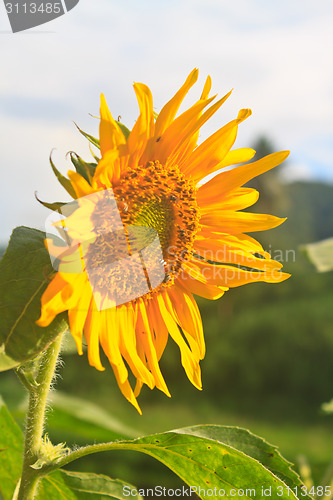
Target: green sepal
x=56, y=206
x=95, y=142
x=90, y=138
x=86, y=170
x=93, y=154
x=126, y=132
x=66, y=183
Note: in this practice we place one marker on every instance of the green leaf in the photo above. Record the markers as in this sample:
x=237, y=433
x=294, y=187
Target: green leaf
x=253, y=446
x=124, y=129
x=205, y=463
x=86, y=170
x=66, y=485
x=321, y=254
x=85, y=419
x=66, y=183
x=54, y=487
x=24, y=275
x=11, y=448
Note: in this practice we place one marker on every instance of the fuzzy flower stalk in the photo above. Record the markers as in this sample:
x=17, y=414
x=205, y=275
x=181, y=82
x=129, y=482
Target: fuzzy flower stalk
x=145, y=189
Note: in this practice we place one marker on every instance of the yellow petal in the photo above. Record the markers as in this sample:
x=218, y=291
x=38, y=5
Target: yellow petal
x=144, y=334
x=226, y=181
x=144, y=126
x=92, y=331
x=80, y=185
x=231, y=276
x=191, y=366
x=181, y=154
x=59, y=296
x=207, y=87
x=242, y=242
x=207, y=157
x=168, y=112
x=225, y=221
x=237, y=199
x=110, y=342
x=189, y=317
x=126, y=390
x=108, y=170
x=235, y=156
x=110, y=133
x=177, y=132
x=159, y=331
x=78, y=315
x=227, y=254
x=205, y=290
x=126, y=326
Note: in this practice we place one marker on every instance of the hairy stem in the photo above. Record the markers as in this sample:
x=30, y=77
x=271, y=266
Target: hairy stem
x=89, y=450
x=35, y=420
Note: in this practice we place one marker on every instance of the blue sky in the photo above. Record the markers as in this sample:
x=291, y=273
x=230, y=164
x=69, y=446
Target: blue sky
x=276, y=56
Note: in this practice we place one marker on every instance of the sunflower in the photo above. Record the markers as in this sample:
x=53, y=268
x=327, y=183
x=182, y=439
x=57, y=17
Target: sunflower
x=153, y=176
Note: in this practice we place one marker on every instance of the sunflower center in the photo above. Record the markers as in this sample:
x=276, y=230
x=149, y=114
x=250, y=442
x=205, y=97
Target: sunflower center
x=154, y=199
x=161, y=198
x=159, y=215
